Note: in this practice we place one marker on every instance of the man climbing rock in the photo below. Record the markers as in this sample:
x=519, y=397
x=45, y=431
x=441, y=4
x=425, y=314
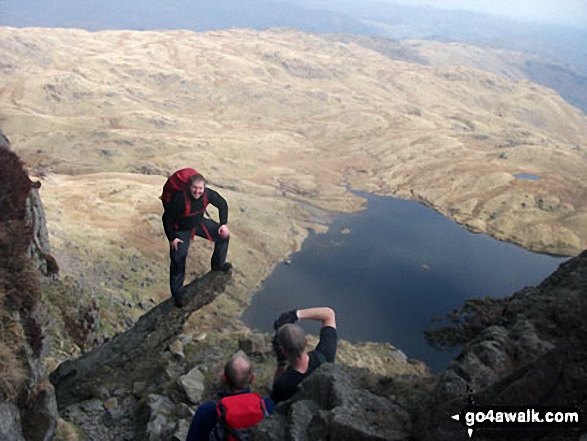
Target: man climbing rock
x=184, y=218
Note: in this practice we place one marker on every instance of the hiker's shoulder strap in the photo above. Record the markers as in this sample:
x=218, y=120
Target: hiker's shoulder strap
x=187, y=203
x=205, y=199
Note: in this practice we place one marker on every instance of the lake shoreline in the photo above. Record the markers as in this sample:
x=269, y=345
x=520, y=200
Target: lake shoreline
x=341, y=229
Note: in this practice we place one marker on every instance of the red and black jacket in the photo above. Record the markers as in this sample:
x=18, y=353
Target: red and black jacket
x=175, y=217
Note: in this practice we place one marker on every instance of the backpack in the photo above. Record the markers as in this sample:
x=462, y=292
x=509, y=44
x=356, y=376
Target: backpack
x=236, y=415
x=178, y=181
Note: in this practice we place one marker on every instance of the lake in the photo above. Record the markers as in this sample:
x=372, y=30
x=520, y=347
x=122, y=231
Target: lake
x=389, y=269
x=527, y=176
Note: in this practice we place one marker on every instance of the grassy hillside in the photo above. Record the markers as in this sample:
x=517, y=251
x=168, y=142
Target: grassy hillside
x=568, y=82
x=281, y=122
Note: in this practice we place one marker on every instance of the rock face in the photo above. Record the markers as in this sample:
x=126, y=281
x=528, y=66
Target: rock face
x=39, y=250
x=28, y=410
x=334, y=403
x=533, y=353
x=102, y=390
x=132, y=356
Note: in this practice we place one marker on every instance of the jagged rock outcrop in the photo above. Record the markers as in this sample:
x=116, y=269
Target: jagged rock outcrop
x=133, y=356
x=28, y=410
x=534, y=353
x=39, y=250
x=335, y=404
x=96, y=384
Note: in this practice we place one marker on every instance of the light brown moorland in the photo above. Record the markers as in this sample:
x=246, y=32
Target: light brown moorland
x=283, y=123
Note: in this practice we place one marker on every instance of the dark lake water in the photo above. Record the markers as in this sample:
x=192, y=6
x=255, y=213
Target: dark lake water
x=401, y=265
x=527, y=176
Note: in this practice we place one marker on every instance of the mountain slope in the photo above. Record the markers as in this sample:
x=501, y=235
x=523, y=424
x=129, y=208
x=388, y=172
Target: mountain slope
x=282, y=121
x=540, y=44
x=432, y=22
x=568, y=82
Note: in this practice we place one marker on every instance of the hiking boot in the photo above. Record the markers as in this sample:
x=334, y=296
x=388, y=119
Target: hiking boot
x=181, y=299
x=225, y=267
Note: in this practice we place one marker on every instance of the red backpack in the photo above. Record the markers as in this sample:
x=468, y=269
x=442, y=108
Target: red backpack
x=178, y=181
x=236, y=415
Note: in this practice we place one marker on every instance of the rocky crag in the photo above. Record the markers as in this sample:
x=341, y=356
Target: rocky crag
x=25, y=394
x=130, y=365
x=29, y=406
x=527, y=350
x=98, y=373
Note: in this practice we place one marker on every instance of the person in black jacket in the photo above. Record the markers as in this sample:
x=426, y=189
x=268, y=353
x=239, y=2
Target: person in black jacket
x=183, y=219
x=289, y=344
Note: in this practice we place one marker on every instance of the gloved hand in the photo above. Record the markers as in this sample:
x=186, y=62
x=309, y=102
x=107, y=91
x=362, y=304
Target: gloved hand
x=286, y=317
x=277, y=349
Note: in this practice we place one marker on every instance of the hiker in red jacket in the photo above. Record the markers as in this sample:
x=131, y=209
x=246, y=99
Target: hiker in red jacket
x=237, y=409
x=183, y=219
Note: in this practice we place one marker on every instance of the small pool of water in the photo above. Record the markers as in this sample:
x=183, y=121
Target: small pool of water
x=388, y=270
x=527, y=176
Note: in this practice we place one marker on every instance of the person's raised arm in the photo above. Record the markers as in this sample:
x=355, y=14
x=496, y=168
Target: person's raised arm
x=324, y=314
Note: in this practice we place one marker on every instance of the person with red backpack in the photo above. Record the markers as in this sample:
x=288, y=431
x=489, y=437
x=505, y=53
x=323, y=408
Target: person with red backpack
x=237, y=411
x=185, y=198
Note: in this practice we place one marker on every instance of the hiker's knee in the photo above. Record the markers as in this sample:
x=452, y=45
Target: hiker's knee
x=178, y=257
x=222, y=240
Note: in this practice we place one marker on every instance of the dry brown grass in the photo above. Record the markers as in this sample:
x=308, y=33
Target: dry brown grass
x=286, y=115
x=12, y=373
x=67, y=432
x=282, y=122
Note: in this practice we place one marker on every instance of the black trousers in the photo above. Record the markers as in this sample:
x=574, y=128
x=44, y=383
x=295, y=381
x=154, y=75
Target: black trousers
x=179, y=257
